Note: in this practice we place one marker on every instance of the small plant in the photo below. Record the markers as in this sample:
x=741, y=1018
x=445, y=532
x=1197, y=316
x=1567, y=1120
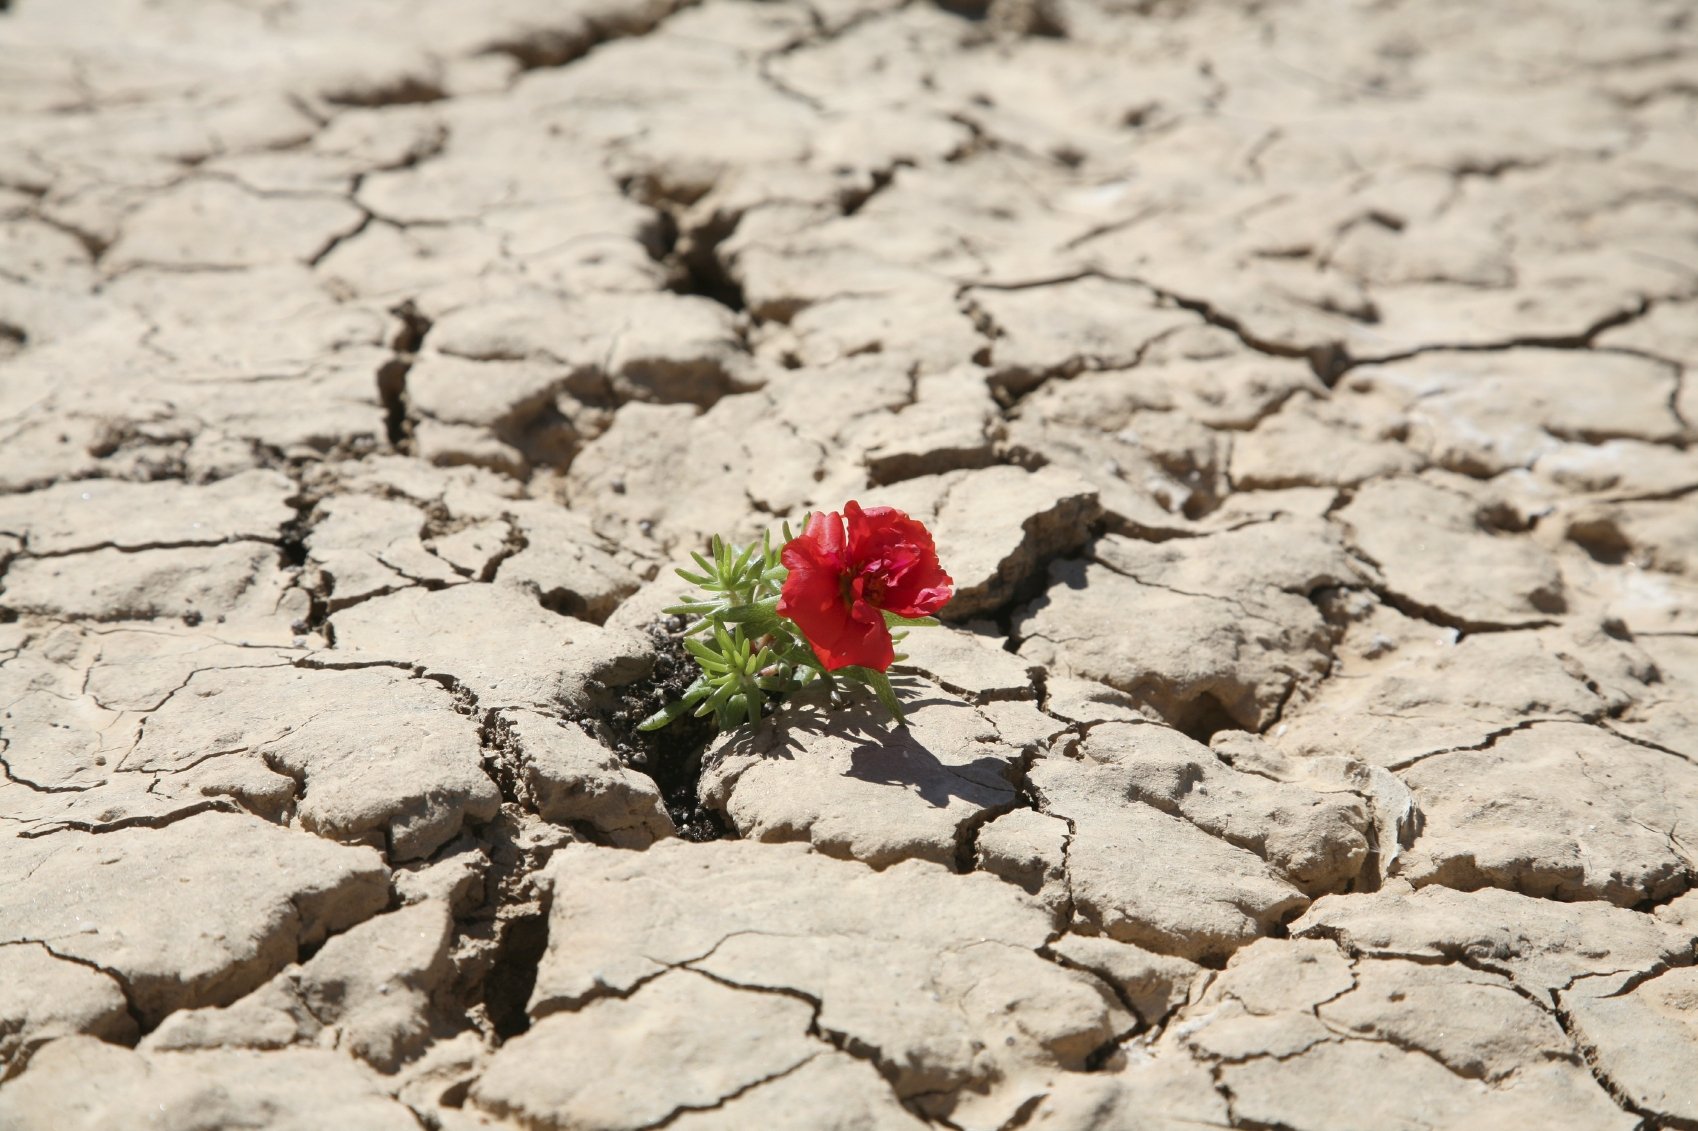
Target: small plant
x=821, y=606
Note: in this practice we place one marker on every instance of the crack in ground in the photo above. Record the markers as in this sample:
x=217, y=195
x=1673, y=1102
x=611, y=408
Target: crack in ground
x=1588, y=1055
x=1485, y=743
x=1584, y=340
x=142, y=821
x=118, y=979
x=143, y=547
x=1432, y=614
x=392, y=374
x=546, y=48
x=681, y=1111
x=1604, y=724
x=845, y=1043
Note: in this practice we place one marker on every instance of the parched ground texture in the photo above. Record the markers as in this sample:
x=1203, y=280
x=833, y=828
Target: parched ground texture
x=1302, y=396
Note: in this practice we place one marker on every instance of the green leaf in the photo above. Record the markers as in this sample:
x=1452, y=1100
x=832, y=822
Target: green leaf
x=891, y=620
x=690, y=608
x=672, y=710
x=758, y=619
x=693, y=578
x=744, y=558
x=664, y=716
x=722, y=694
x=705, y=655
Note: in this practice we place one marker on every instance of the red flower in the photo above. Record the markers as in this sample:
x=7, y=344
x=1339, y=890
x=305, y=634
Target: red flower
x=837, y=586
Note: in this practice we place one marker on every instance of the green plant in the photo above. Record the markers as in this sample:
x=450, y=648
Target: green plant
x=750, y=654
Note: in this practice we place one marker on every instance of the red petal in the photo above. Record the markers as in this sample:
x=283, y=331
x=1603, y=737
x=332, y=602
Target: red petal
x=897, y=550
x=822, y=537
x=839, y=634
x=813, y=597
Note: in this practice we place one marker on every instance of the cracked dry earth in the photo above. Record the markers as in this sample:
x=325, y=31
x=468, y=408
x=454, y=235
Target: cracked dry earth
x=1301, y=394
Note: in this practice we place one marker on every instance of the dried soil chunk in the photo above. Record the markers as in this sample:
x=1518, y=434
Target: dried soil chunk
x=565, y=565
x=1472, y=1022
x=829, y=1092
x=1487, y=412
x=1061, y=329
x=1654, y=535
x=1264, y=1003
x=1406, y=689
x=949, y=426
x=1154, y=471
x=1667, y=715
x=1087, y=701
x=1620, y=467
x=1642, y=1039
x=1028, y=849
x=1316, y=840
x=1160, y=1093
x=1666, y=330
x=651, y=347
x=43, y=997
x=493, y=640
x=139, y=667
x=82, y=1084
x=205, y=223
x=1541, y=945
x=1200, y=372
x=1303, y=1002
x=921, y=329
x=630, y=477
x=968, y=664
x=236, y=916
x=996, y=527
x=856, y=786
x=365, y=547
x=55, y=738
x=328, y=404
x=366, y=992
x=680, y=1042
x=469, y=180
x=1557, y=810
x=239, y=582
x=490, y=394
x=275, y=327
x=91, y=514
x=856, y=941
x=1202, y=630
x=1153, y=984
x=1410, y=1090
x=379, y=756
x=571, y=777
x=1645, y=602
x=1146, y=877
x=1308, y=443
x=475, y=550
x=1435, y=554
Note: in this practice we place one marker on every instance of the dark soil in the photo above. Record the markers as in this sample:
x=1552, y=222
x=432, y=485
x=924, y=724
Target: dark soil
x=672, y=756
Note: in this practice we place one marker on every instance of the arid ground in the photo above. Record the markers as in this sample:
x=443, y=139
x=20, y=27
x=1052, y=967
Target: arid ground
x=1302, y=396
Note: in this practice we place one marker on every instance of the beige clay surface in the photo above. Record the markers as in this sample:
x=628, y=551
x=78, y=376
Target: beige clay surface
x=1302, y=395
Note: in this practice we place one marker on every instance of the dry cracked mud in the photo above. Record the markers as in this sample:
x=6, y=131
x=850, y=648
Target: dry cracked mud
x=1303, y=396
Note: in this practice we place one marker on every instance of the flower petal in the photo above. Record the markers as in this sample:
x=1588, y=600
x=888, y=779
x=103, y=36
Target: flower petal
x=887, y=544
x=815, y=597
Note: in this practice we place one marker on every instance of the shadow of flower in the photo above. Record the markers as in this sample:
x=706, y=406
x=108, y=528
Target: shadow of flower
x=880, y=751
